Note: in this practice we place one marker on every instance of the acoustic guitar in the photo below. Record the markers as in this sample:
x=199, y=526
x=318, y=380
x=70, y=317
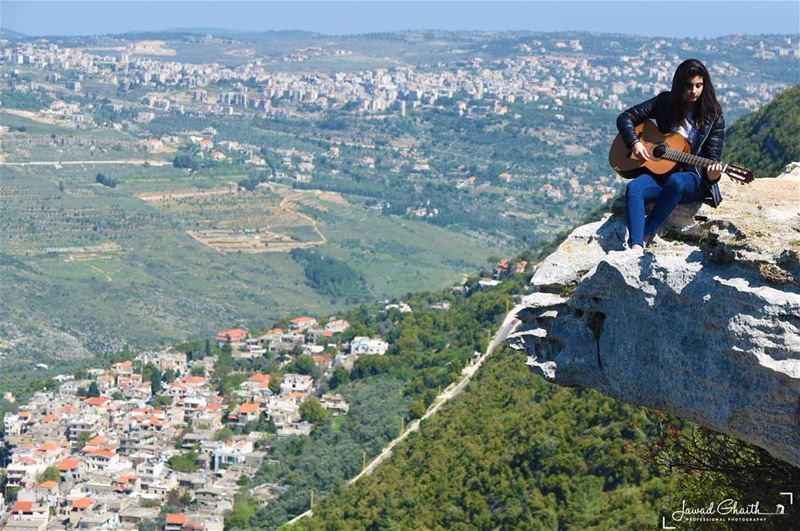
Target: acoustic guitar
x=667, y=150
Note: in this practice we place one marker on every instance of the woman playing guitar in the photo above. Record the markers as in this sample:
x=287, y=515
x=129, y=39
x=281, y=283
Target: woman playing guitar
x=692, y=110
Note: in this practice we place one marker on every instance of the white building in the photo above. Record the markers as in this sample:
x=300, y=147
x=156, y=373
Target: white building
x=297, y=382
x=364, y=345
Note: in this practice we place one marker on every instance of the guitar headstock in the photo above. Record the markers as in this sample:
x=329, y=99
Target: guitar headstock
x=739, y=174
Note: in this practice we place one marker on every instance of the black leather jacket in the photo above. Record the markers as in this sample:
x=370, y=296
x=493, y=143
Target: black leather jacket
x=708, y=143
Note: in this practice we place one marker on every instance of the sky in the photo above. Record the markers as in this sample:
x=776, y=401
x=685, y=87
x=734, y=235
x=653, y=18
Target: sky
x=676, y=18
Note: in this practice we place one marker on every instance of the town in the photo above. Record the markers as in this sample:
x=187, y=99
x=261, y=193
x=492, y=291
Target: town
x=111, y=445
x=108, y=448
x=551, y=73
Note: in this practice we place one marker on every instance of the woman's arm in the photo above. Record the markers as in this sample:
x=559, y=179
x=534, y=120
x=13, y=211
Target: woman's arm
x=629, y=119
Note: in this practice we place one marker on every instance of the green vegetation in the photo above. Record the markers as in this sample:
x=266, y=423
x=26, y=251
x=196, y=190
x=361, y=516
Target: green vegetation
x=713, y=466
x=512, y=452
x=331, y=277
x=186, y=462
x=51, y=473
x=118, y=258
x=312, y=411
x=334, y=451
x=185, y=161
x=244, y=509
x=103, y=179
x=25, y=101
x=223, y=434
x=768, y=139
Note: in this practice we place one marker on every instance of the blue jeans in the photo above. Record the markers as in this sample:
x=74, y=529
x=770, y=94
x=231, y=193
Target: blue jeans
x=667, y=192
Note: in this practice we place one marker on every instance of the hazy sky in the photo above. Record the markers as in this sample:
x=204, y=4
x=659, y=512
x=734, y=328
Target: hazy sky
x=676, y=18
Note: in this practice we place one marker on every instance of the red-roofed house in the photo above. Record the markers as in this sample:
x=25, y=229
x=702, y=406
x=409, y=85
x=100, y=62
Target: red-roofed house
x=48, y=485
x=336, y=326
x=234, y=335
x=174, y=522
x=257, y=381
x=81, y=504
x=123, y=367
x=298, y=324
x=96, y=401
x=49, y=451
x=22, y=507
x=247, y=412
x=126, y=484
x=69, y=468
x=28, y=512
x=105, y=461
x=193, y=381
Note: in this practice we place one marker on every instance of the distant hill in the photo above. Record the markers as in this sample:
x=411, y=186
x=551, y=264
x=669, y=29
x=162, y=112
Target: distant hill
x=768, y=139
x=11, y=35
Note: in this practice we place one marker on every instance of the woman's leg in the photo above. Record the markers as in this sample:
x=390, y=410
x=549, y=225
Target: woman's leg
x=680, y=187
x=641, y=189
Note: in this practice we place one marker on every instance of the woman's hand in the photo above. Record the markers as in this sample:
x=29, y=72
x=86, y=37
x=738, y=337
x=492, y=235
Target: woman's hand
x=638, y=151
x=714, y=172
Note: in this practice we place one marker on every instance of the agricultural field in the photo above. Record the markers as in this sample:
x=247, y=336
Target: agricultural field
x=167, y=255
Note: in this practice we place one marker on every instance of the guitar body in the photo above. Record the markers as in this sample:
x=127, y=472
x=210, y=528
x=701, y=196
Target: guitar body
x=620, y=156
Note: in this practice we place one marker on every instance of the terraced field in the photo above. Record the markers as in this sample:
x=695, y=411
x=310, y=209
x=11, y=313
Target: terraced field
x=168, y=255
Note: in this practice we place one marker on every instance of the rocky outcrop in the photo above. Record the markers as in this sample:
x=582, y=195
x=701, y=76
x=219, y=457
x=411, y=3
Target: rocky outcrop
x=705, y=324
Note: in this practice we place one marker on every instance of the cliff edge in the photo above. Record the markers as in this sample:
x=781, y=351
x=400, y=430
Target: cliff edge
x=705, y=324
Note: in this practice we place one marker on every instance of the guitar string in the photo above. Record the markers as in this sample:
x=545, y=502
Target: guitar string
x=684, y=157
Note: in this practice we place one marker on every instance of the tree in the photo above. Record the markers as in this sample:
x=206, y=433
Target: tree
x=50, y=473
x=155, y=381
x=105, y=180
x=417, y=409
x=304, y=365
x=169, y=376
x=93, y=390
x=275, y=384
x=185, y=161
x=243, y=510
x=186, y=462
x=223, y=434
x=11, y=493
x=162, y=401
x=312, y=411
x=340, y=376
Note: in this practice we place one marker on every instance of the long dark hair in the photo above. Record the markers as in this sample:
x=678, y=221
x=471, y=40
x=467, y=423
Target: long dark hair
x=706, y=105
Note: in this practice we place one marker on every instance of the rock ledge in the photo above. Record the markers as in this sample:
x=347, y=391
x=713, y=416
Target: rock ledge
x=705, y=324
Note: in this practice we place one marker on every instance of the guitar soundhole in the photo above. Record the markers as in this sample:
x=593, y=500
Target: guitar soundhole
x=659, y=150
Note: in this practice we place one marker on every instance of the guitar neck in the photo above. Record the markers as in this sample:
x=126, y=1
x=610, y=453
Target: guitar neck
x=688, y=158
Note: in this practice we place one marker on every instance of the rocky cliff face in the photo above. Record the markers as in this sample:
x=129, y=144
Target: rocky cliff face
x=705, y=324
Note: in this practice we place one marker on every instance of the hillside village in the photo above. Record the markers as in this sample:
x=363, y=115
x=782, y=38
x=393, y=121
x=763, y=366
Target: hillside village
x=112, y=446
x=107, y=451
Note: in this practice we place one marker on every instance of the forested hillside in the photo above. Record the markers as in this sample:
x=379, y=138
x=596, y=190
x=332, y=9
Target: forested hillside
x=513, y=452
x=767, y=140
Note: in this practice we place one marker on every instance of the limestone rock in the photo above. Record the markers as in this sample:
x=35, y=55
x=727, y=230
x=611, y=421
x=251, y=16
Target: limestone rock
x=705, y=324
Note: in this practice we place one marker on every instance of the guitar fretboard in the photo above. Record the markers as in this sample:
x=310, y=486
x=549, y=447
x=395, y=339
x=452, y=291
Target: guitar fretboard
x=687, y=158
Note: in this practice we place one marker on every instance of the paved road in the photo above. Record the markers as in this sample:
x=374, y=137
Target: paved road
x=449, y=393
x=81, y=162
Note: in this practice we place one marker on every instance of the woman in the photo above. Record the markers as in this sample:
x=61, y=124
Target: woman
x=691, y=109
